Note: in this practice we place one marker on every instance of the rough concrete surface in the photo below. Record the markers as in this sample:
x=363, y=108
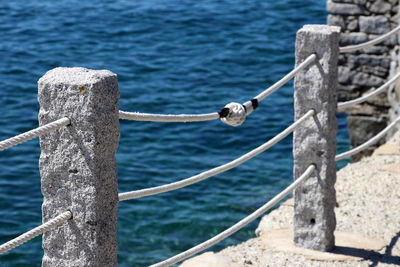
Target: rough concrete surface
x=77, y=166
x=281, y=240
x=368, y=204
x=315, y=143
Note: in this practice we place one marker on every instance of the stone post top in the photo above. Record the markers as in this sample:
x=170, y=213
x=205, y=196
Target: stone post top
x=75, y=76
x=320, y=28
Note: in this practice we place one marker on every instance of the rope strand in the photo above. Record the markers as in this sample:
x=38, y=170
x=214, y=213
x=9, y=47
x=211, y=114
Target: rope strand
x=21, y=138
x=204, y=175
x=48, y=226
x=233, y=229
x=260, y=97
x=136, y=116
x=367, y=144
x=367, y=96
x=352, y=48
x=249, y=106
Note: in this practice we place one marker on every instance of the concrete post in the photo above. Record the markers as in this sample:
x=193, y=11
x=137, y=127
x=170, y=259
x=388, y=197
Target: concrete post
x=77, y=166
x=315, y=142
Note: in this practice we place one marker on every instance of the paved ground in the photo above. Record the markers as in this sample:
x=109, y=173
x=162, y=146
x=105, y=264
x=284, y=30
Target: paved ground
x=368, y=196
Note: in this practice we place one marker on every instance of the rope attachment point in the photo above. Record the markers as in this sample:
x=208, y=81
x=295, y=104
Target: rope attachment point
x=233, y=114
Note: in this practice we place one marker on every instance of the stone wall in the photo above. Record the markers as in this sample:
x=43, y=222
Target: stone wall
x=363, y=71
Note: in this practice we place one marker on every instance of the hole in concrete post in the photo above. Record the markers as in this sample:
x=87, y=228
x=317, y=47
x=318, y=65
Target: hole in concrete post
x=312, y=221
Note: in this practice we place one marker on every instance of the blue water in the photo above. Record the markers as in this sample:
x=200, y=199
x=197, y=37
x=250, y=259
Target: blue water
x=171, y=57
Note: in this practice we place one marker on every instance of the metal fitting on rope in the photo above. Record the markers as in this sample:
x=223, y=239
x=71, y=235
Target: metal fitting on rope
x=236, y=115
x=250, y=106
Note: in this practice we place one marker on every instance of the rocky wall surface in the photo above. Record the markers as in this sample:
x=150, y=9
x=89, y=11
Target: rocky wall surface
x=365, y=70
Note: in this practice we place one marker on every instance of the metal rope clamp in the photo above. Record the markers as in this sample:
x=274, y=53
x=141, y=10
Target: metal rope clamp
x=235, y=116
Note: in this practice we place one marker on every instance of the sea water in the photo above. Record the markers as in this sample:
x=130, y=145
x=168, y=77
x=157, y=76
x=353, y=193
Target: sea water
x=171, y=56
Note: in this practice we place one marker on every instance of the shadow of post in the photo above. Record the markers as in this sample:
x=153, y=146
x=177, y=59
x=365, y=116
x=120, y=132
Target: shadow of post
x=387, y=257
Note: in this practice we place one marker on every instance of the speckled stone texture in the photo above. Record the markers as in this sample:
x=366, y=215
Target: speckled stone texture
x=77, y=166
x=315, y=141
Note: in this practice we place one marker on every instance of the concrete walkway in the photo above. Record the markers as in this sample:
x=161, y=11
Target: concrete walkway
x=368, y=207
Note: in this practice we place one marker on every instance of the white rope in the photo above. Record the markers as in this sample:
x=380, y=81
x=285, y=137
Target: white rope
x=136, y=116
x=352, y=48
x=248, y=106
x=204, y=175
x=260, y=97
x=286, y=78
x=233, y=229
x=47, y=226
x=370, y=142
x=373, y=93
x=52, y=126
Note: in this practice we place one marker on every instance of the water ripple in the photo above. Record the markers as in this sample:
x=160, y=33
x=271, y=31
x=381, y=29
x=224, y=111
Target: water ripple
x=170, y=57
